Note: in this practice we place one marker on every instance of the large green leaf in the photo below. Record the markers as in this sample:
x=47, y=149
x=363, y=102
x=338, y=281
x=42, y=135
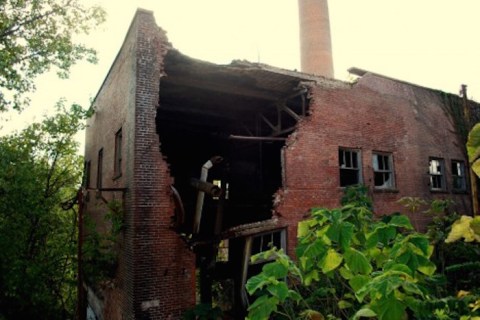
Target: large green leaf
x=279, y=290
x=473, y=143
x=473, y=148
x=358, y=281
x=330, y=261
x=364, y=313
x=256, y=282
x=357, y=262
x=275, y=269
x=346, y=235
x=421, y=242
x=262, y=308
x=389, y=308
x=304, y=227
x=401, y=221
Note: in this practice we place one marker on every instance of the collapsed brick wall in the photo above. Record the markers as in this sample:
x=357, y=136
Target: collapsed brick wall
x=155, y=278
x=376, y=114
x=164, y=268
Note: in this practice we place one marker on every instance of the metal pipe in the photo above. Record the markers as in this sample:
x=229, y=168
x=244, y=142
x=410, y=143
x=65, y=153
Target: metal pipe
x=207, y=187
x=201, y=194
x=236, y=137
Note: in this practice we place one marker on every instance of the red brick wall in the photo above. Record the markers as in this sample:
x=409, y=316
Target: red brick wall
x=164, y=267
x=114, y=109
x=394, y=117
x=156, y=273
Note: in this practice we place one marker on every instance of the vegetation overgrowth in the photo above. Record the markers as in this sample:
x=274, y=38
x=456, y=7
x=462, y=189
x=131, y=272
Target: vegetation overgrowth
x=350, y=265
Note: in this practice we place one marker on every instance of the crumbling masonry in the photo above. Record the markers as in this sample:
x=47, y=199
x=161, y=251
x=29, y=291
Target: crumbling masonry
x=213, y=163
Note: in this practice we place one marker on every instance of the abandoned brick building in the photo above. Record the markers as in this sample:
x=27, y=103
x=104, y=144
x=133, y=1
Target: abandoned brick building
x=211, y=163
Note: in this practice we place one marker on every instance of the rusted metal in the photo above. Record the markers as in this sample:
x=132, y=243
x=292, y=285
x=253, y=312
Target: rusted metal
x=206, y=187
x=253, y=138
x=201, y=194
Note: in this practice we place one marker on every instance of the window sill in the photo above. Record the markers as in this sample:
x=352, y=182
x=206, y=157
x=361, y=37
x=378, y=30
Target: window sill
x=386, y=190
x=438, y=191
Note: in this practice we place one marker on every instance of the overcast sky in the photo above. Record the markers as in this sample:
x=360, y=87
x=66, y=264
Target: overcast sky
x=433, y=43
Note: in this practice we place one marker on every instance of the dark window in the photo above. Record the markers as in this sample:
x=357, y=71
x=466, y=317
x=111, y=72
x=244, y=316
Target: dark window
x=383, y=170
x=117, y=167
x=349, y=163
x=437, y=176
x=458, y=176
x=100, y=169
x=87, y=174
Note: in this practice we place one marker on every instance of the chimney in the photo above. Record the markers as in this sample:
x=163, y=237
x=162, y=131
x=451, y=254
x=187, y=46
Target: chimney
x=315, y=42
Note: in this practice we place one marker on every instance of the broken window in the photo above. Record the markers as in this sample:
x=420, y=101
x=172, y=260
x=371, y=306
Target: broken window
x=349, y=163
x=117, y=167
x=436, y=171
x=267, y=241
x=383, y=170
x=459, y=180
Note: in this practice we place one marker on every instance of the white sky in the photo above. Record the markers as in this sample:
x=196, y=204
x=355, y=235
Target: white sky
x=433, y=43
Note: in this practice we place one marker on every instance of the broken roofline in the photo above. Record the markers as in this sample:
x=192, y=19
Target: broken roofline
x=236, y=64
x=362, y=72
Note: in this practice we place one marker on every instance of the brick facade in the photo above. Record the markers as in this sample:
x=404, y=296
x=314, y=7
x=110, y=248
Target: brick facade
x=375, y=115
x=155, y=278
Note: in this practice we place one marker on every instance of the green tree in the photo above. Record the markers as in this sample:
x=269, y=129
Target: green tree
x=40, y=172
x=36, y=35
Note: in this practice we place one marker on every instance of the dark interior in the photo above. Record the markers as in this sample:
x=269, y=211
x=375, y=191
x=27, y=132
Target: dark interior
x=242, y=112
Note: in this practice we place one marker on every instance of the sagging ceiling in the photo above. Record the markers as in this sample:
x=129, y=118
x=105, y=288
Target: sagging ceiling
x=242, y=112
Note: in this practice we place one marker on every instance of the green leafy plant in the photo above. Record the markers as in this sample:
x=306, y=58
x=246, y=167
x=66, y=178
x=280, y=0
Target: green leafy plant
x=348, y=266
x=100, y=249
x=203, y=312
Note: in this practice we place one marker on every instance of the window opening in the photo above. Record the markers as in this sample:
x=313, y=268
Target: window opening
x=437, y=178
x=458, y=176
x=223, y=249
x=100, y=169
x=87, y=174
x=383, y=170
x=117, y=167
x=217, y=183
x=349, y=163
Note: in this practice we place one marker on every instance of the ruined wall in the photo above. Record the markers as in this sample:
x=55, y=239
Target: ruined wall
x=114, y=109
x=164, y=267
x=376, y=114
x=155, y=277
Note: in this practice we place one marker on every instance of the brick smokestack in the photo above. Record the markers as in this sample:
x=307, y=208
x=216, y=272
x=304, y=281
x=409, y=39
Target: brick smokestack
x=315, y=41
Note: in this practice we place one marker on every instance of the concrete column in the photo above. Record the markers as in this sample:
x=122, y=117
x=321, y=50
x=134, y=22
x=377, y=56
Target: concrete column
x=315, y=40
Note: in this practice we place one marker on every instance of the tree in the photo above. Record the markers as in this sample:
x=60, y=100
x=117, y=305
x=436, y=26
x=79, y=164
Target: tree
x=37, y=35
x=40, y=173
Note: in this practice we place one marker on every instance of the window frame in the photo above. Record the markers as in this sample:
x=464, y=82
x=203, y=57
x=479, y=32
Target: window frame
x=344, y=167
x=462, y=176
x=390, y=170
x=441, y=174
x=117, y=164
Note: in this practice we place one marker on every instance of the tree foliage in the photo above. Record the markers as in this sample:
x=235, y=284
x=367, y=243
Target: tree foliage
x=40, y=172
x=473, y=149
x=349, y=266
x=36, y=35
